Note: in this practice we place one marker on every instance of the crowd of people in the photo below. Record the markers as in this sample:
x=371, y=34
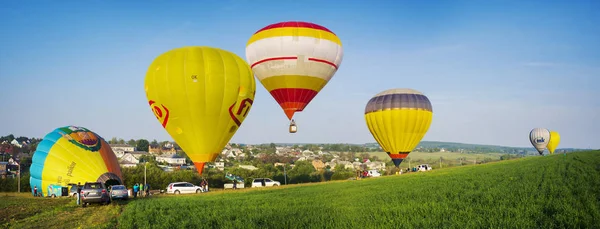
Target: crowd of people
x=143, y=190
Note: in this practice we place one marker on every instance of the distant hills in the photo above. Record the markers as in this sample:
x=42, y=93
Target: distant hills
x=436, y=146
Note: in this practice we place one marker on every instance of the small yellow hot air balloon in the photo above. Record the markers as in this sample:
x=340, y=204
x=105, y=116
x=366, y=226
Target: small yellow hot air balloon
x=554, y=141
x=294, y=60
x=200, y=95
x=398, y=119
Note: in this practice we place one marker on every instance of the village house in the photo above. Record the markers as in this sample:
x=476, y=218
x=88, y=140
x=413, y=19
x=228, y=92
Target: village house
x=121, y=148
x=318, y=164
x=220, y=165
x=157, y=149
x=331, y=165
x=131, y=159
x=233, y=153
x=172, y=159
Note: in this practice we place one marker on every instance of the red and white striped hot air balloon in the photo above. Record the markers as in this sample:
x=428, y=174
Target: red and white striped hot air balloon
x=294, y=61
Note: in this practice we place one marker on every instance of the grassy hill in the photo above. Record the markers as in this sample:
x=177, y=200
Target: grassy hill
x=554, y=191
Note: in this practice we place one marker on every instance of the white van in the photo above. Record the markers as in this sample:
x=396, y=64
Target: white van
x=264, y=182
x=374, y=173
x=423, y=167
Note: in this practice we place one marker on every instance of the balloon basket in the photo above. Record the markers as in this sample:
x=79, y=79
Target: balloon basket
x=293, y=127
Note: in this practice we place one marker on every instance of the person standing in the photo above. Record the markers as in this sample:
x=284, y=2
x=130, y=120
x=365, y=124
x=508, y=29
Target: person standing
x=141, y=190
x=78, y=193
x=135, y=190
x=147, y=187
x=35, y=191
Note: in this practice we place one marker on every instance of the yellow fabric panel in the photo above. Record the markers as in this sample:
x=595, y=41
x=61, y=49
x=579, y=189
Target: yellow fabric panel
x=67, y=163
x=399, y=130
x=198, y=86
x=293, y=81
x=554, y=141
x=295, y=31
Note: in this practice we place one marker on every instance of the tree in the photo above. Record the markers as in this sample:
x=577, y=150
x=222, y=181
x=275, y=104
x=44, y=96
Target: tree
x=131, y=142
x=142, y=145
x=113, y=140
x=121, y=141
x=154, y=142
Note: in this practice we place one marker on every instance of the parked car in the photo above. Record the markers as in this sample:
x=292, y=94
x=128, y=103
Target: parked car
x=264, y=182
x=94, y=192
x=73, y=190
x=118, y=192
x=374, y=173
x=423, y=167
x=183, y=187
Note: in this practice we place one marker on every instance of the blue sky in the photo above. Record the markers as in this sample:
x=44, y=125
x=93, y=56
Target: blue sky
x=492, y=69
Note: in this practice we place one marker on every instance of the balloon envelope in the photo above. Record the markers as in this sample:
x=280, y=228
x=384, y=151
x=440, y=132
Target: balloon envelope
x=539, y=138
x=73, y=154
x=201, y=96
x=398, y=119
x=554, y=141
x=294, y=61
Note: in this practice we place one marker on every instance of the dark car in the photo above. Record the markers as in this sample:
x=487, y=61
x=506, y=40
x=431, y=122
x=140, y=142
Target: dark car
x=118, y=192
x=94, y=192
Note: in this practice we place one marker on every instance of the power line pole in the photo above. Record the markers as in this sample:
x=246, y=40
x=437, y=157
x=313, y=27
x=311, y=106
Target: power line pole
x=19, y=180
x=285, y=174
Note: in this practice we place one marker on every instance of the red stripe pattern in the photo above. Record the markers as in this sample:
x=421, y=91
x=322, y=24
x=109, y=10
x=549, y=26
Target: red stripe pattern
x=293, y=58
x=298, y=24
x=293, y=99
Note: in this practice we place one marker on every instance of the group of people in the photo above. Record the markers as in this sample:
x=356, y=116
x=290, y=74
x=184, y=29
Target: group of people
x=143, y=190
x=204, y=185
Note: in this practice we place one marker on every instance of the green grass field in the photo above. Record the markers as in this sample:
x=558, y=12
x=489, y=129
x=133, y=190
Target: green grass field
x=533, y=192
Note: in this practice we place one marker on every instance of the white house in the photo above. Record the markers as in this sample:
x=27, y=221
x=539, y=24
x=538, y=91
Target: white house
x=127, y=157
x=172, y=159
x=16, y=143
x=220, y=165
x=122, y=148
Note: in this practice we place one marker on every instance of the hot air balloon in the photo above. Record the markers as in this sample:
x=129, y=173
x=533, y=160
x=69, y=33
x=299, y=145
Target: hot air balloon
x=539, y=138
x=294, y=61
x=201, y=96
x=554, y=141
x=73, y=154
x=398, y=119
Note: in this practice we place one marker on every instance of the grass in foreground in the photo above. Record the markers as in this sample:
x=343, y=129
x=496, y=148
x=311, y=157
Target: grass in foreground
x=24, y=211
x=536, y=192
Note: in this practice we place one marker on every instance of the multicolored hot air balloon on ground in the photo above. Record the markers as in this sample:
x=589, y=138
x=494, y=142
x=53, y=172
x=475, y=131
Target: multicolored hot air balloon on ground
x=554, y=141
x=201, y=96
x=398, y=119
x=73, y=154
x=539, y=138
x=294, y=61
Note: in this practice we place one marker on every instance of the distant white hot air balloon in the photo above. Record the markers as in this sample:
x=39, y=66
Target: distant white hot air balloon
x=539, y=138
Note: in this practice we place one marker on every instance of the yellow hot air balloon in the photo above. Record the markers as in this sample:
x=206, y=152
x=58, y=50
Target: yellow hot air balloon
x=201, y=96
x=73, y=154
x=398, y=119
x=554, y=141
x=294, y=61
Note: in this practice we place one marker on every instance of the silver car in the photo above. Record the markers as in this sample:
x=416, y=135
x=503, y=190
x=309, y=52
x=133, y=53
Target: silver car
x=118, y=192
x=94, y=192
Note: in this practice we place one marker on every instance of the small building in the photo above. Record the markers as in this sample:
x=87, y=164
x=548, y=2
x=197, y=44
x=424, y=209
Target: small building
x=171, y=159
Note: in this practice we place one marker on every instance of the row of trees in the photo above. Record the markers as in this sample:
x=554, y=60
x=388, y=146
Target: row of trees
x=303, y=172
